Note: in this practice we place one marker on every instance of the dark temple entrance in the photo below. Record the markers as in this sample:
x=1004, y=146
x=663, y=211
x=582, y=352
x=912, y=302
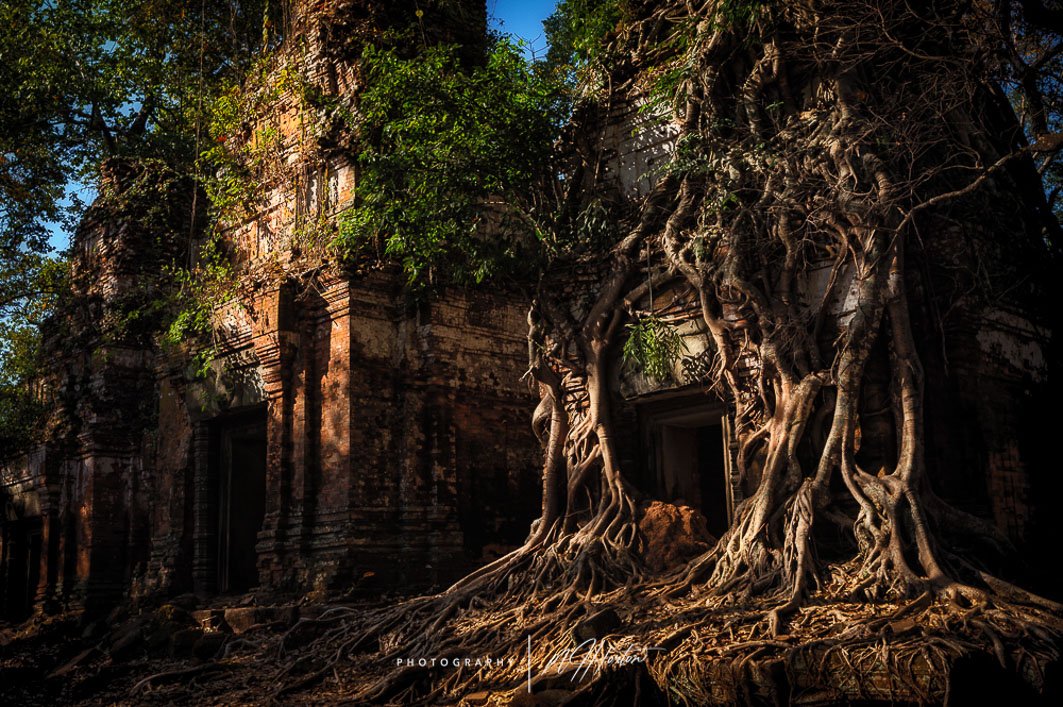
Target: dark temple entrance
x=685, y=458
x=20, y=562
x=241, y=464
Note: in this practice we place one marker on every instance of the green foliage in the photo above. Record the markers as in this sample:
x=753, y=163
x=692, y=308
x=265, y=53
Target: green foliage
x=199, y=292
x=737, y=14
x=578, y=30
x=89, y=79
x=230, y=185
x=653, y=346
x=691, y=156
x=84, y=81
x=446, y=149
x=244, y=142
x=20, y=336
x=242, y=158
x=20, y=418
x=595, y=229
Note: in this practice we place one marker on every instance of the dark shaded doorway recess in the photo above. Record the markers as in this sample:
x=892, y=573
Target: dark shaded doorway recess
x=241, y=463
x=20, y=562
x=686, y=459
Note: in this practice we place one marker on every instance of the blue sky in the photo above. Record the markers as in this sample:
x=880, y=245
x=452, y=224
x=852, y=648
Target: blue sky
x=520, y=18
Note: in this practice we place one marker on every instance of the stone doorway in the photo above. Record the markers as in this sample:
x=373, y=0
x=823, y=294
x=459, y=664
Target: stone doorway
x=687, y=459
x=241, y=473
x=20, y=563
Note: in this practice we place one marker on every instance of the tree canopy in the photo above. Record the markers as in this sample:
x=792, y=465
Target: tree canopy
x=84, y=81
x=445, y=150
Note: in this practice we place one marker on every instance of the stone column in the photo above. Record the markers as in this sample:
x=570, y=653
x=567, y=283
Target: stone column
x=5, y=549
x=204, y=513
x=47, y=599
x=276, y=343
x=732, y=473
x=103, y=518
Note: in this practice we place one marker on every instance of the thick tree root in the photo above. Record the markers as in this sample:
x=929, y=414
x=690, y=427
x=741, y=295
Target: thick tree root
x=697, y=648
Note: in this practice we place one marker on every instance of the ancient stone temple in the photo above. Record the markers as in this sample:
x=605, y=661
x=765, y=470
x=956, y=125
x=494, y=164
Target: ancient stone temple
x=345, y=434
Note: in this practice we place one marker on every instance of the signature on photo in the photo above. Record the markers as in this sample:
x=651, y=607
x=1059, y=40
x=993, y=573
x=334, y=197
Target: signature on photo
x=591, y=655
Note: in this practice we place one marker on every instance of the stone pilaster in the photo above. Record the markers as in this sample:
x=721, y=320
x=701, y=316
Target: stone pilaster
x=204, y=513
x=276, y=344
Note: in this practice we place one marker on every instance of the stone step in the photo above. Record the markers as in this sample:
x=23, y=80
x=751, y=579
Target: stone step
x=239, y=619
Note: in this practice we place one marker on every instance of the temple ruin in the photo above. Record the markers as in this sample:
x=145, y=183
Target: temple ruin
x=348, y=435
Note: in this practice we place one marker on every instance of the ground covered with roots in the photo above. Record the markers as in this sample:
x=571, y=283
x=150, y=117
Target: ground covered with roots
x=505, y=638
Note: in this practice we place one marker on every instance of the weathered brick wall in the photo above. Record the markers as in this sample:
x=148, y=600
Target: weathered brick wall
x=398, y=435
x=385, y=421
x=89, y=477
x=636, y=145
x=978, y=408
x=382, y=416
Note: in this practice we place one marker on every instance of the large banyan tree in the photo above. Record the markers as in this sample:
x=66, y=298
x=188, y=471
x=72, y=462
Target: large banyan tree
x=859, y=135
x=830, y=158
